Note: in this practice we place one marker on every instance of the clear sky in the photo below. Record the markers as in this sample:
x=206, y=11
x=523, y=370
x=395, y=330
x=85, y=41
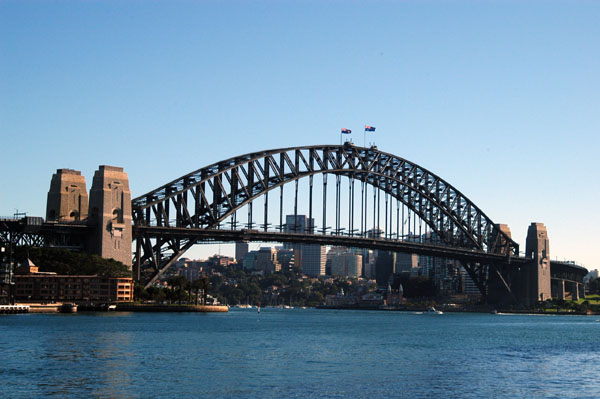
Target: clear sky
x=500, y=98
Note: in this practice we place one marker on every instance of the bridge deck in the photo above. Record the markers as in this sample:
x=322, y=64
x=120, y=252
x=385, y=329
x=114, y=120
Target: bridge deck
x=221, y=235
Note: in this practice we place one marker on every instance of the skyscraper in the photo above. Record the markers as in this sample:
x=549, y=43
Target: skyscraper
x=241, y=249
x=311, y=258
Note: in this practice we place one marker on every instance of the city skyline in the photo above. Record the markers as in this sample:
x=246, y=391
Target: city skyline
x=500, y=100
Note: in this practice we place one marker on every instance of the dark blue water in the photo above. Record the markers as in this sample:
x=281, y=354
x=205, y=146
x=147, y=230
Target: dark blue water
x=299, y=353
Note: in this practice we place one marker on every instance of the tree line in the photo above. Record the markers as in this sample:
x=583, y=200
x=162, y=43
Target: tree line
x=64, y=262
x=179, y=290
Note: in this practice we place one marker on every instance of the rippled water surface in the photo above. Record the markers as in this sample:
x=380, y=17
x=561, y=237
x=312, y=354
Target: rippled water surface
x=299, y=353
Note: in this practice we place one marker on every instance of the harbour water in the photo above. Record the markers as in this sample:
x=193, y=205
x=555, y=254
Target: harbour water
x=299, y=353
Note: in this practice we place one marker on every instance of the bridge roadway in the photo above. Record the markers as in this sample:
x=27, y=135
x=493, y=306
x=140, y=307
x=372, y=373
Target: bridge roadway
x=224, y=235
x=33, y=231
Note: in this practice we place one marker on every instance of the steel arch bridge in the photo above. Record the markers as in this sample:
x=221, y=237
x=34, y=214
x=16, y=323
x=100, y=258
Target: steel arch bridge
x=193, y=208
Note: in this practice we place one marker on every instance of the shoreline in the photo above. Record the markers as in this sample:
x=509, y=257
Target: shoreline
x=461, y=310
x=175, y=308
x=55, y=308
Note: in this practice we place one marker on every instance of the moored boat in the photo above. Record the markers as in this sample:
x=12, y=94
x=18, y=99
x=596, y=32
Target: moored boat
x=68, y=307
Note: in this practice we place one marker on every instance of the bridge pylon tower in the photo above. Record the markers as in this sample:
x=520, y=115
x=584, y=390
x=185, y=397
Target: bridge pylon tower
x=537, y=275
x=67, y=197
x=110, y=214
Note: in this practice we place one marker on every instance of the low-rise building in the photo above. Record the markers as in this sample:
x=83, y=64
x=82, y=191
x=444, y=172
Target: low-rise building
x=33, y=286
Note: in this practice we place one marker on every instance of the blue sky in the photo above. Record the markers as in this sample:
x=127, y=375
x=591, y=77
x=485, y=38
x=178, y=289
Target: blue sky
x=500, y=98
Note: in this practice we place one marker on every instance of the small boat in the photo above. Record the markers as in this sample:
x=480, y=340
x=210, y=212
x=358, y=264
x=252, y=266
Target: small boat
x=68, y=307
x=433, y=310
x=111, y=308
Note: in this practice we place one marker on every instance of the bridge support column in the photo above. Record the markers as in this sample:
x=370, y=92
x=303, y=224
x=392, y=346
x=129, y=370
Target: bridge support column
x=560, y=294
x=574, y=291
x=537, y=275
x=110, y=212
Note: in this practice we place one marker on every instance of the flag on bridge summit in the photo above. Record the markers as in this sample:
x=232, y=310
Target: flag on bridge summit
x=346, y=131
x=369, y=128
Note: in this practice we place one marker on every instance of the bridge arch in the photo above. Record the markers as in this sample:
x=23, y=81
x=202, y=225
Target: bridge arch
x=208, y=196
x=237, y=181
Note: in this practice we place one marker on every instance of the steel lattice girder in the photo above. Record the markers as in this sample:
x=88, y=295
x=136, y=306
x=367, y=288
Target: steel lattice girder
x=206, y=197
x=72, y=236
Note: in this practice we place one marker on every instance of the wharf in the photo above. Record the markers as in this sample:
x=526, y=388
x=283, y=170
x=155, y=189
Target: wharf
x=10, y=309
x=41, y=307
x=172, y=308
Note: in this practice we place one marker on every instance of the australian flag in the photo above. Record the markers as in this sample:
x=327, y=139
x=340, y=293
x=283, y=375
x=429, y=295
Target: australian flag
x=369, y=128
x=346, y=131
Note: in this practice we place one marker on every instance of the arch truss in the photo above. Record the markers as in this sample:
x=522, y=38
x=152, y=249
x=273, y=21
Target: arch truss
x=207, y=198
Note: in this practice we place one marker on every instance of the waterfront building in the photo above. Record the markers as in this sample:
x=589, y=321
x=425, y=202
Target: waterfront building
x=34, y=286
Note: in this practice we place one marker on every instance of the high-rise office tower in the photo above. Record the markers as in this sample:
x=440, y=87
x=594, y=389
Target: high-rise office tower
x=311, y=258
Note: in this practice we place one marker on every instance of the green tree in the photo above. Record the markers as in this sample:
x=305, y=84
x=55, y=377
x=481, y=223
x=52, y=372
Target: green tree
x=315, y=299
x=153, y=292
x=140, y=293
x=63, y=262
x=594, y=286
x=179, y=284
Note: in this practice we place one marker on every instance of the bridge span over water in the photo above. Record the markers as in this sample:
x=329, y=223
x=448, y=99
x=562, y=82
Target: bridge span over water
x=352, y=196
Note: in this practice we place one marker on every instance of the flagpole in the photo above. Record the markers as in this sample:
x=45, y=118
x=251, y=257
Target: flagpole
x=368, y=128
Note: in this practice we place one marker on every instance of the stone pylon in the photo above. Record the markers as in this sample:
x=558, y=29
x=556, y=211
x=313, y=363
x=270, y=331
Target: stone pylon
x=110, y=213
x=67, y=197
x=537, y=248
